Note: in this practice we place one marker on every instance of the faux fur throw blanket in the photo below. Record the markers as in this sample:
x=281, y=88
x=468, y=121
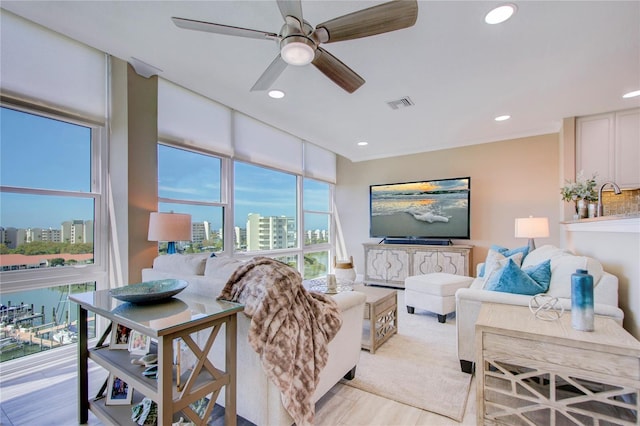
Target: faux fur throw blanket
x=290, y=329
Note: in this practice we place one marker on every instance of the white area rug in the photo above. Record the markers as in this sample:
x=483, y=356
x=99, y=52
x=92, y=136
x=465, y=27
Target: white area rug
x=418, y=366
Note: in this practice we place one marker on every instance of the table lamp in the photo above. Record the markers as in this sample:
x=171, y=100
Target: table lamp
x=169, y=227
x=532, y=227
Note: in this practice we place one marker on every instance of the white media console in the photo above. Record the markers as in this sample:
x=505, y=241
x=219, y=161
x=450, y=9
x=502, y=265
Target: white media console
x=390, y=264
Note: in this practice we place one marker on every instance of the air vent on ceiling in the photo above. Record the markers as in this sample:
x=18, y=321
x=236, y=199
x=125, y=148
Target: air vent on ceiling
x=401, y=103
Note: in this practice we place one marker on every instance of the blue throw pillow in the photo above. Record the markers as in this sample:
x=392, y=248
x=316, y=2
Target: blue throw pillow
x=506, y=253
x=513, y=279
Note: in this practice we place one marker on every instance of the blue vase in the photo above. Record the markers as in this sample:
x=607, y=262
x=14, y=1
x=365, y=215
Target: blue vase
x=582, y=300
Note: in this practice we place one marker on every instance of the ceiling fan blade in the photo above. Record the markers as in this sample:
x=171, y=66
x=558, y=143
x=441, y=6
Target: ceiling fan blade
x=270, y=75
x=337, y=71
x=191, y=24
x=383, y=18
x=290, y=8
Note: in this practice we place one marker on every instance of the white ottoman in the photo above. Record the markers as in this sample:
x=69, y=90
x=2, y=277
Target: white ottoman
x=434, y=292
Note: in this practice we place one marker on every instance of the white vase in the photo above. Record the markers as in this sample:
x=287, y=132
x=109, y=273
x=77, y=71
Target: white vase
x=344, y=271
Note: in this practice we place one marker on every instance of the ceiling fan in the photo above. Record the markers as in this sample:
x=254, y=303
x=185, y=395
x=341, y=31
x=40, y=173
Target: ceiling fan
x=300, y=42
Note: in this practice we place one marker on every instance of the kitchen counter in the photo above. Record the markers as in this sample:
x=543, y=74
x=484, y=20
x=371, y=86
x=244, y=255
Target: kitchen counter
x=614, y=223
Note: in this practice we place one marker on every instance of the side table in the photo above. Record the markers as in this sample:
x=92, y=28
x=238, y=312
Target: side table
x=532, y=371
x=381, y=314
x=176, y=318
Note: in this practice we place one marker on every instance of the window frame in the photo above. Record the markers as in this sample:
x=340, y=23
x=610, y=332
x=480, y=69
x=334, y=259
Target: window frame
x=329, y=246
x=227, y=202
x=288, y=251
x=224, y=187
x=33, y=279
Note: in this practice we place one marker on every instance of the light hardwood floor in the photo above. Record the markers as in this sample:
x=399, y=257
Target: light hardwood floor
x=42, y=391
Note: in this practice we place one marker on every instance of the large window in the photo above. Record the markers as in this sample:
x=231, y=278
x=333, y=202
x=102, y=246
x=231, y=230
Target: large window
x=49, y=191
x=190, y=182
x=51, y=222
x=317, y=227
x=265, y=208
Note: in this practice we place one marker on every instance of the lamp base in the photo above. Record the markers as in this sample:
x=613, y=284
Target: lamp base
x=171, y=247
x=532, y=245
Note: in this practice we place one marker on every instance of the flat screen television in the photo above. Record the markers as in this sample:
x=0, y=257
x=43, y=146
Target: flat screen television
x=428, y=209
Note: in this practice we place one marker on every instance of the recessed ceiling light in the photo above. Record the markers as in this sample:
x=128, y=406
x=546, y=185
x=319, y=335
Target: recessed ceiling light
x=502, y=117
x=500, y=14
x=363, y=143
x=631, y=94
x=276, y=94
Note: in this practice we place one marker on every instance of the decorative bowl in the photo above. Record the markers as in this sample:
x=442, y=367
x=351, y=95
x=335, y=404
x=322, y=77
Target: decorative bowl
x=149, y=291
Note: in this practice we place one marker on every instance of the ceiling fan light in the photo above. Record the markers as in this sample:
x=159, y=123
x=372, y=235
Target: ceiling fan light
x=500, y=14
x=297, y=52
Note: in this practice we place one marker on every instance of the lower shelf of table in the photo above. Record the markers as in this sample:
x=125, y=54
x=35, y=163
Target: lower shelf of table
x=120, y=414
x=118, y=361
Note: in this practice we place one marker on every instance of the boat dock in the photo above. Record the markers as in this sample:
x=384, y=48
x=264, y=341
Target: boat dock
x=19, y=313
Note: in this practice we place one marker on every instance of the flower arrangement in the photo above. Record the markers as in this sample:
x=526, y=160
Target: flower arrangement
x=581, y=189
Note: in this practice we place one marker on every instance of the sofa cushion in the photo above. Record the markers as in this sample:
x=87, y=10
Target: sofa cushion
x=192, y=264
x=563, y=266
x=543, y=253
x=496, y=261
x=221, y=267
x=505, y=252
x=513, y=279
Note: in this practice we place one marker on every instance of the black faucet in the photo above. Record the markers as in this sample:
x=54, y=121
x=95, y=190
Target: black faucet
x=616, y=189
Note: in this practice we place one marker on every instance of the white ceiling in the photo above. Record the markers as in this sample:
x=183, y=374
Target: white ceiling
x=551, y=60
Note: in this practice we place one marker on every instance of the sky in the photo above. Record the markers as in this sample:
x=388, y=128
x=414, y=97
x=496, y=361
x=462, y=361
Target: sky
x=63, y=162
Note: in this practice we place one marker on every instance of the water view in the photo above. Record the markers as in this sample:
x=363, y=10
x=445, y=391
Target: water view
x=39, y=320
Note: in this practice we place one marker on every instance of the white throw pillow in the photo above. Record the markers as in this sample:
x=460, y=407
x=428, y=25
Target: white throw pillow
x=181, y=264
x=563, y=266
x=496, y=261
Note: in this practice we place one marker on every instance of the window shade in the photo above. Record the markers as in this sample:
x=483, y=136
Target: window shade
x=260, y=143
x=193, y=119
x=41, y=65
x=319, y=163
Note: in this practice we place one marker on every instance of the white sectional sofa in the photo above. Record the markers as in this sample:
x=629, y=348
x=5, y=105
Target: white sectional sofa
x=563, y=264
x=258, y=400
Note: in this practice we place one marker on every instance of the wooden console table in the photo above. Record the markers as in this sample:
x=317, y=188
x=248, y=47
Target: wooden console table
x=177, y=318
x=539, y=372
x=390, y=264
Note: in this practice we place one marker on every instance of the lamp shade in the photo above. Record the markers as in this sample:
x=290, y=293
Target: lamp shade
x=532, y=227
x=169, y=227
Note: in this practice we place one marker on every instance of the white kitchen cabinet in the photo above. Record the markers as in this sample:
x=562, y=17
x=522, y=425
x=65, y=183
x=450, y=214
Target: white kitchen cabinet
x=627, y=149
x=609, y=145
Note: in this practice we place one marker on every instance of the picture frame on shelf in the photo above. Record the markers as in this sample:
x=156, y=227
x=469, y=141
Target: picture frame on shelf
x=139, y=344
x=119, y=337
x=118, y=391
